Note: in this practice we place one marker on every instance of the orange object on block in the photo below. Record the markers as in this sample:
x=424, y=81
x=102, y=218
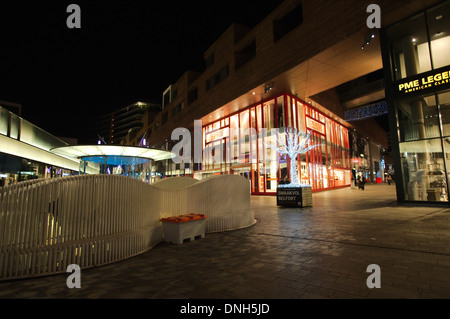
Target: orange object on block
x=183, y=218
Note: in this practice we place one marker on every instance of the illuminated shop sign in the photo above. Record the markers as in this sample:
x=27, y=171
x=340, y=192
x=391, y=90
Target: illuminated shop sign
x=436, y=79
x=315, y=125
x=217, y=135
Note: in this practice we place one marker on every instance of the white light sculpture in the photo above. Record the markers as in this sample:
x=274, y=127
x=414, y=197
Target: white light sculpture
x=296, y=142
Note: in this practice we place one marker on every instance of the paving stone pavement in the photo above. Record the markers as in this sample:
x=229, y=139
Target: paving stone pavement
x=318, y=252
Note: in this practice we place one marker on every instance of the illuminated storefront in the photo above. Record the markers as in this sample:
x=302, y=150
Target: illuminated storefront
x=239, y=144
x=15, y=169
x=417, y=64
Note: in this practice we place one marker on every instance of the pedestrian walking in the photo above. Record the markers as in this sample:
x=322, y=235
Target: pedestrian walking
x=363, y=182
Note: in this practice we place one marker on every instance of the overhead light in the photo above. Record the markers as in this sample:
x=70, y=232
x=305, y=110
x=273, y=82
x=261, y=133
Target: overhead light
x=267, y=88
x=253, y=93
x=414, y=40
x=369, y=38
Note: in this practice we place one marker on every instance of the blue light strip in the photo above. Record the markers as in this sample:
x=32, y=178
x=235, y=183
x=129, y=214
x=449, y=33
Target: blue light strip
x=366, y=112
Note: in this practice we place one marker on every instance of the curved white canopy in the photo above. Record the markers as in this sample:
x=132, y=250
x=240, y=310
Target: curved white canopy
x=79, y=151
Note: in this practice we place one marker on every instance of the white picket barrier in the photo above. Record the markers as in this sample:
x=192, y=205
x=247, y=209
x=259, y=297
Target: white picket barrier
x=91, y=220
x=225, y=199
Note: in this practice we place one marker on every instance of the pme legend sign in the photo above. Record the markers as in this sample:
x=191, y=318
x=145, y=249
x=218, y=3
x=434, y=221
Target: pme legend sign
x=424, y=82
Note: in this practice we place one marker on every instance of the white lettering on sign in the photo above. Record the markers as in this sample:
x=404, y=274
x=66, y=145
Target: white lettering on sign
x=315, y=125
x=216, y=135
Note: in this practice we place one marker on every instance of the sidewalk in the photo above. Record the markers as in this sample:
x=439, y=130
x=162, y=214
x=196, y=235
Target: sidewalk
x=316, y=252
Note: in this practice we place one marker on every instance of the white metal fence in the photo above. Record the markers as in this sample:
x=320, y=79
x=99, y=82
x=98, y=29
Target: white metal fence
x=46, y=225
x=91, y=220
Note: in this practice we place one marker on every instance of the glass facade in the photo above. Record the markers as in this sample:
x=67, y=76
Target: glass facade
x=240, y=144
x=416, y=53
x=131, y=166
x=14, y=168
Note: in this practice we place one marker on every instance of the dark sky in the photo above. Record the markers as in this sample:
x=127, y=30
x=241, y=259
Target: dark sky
x=125, y=50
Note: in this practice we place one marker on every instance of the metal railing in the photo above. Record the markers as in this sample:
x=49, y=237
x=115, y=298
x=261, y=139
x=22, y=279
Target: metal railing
x=91, y=220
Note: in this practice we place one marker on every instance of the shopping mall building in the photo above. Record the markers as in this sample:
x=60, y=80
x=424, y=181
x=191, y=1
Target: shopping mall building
x=313, y=65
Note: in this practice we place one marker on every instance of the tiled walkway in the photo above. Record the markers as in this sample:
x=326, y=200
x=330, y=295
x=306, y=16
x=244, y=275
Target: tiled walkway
x=317, y=252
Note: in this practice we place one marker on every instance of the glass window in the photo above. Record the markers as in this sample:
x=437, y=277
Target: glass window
x=234, y=136
x=271, y=162
x=321, y=118
x=289, y=111
x=15, y=126
x=418, y=118
x=244, y=120
x=423, y=169
x=444, y=105
x=244, y=137
x=253, y=118
x=409, y=47
x=254, y=144
x=446, y=143
x=280, y=106
x=439, y=32
x=4, y=121
x=301, y=116
x=269, y=115
x=294, y=114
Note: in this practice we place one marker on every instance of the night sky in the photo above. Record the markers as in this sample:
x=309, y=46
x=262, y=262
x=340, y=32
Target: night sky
x=125, y=50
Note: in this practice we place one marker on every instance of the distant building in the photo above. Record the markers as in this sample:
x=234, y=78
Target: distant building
x=113, y=127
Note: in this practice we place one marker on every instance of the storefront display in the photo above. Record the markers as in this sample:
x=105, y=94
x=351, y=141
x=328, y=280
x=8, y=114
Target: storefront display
x=415, y=52
x=239, y=144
